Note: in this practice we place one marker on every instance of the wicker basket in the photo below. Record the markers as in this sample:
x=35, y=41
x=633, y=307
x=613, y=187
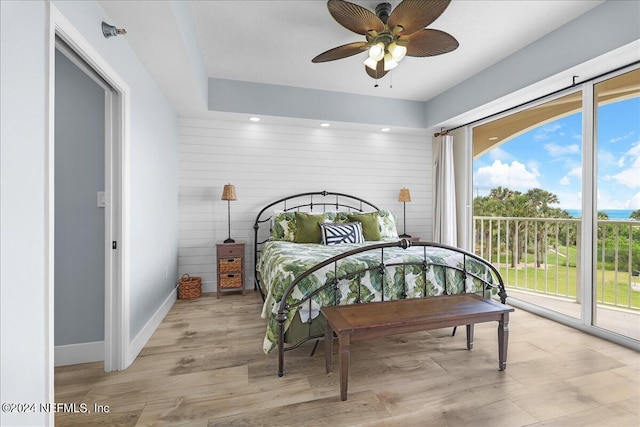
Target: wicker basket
x=190, y=287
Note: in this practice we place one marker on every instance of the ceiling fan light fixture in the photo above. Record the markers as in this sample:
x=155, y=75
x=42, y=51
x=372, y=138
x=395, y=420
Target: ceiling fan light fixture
x=389, y=62
x=397, y=52
x=371, y=63
x=376, y=51
x=390, y=33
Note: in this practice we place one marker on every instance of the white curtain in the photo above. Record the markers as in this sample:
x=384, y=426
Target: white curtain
x=445, y=193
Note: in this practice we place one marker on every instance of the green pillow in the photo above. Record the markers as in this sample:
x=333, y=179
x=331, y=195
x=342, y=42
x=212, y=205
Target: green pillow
x=370, y=226
x=308, y=227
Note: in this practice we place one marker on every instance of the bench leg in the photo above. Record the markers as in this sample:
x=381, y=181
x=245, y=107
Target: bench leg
x=469, y=336
x=328, y=347
x=503, y=341
x=345, y=343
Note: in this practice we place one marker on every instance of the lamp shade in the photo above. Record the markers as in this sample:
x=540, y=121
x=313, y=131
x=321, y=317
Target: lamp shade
x=404, y=195
x=371, y=63
x=229, y=192
x=376, y=52
x=389, y=62
x=397, y=51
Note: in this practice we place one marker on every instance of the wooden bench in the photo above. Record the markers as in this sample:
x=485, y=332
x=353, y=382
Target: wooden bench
x=362, y=321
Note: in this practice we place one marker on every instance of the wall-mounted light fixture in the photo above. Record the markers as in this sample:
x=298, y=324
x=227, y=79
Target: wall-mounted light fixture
x=111, y=31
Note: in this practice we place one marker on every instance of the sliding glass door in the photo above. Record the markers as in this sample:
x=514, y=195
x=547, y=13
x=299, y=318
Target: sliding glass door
x=617, y=267
x=527, y=201
x=556, y=188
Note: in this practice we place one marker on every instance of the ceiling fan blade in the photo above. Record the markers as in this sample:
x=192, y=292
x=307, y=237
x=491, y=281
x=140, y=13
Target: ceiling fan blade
x=340, y=52
x=353, y=17
x=430, y=43
x=378, y=73
x=414, y=15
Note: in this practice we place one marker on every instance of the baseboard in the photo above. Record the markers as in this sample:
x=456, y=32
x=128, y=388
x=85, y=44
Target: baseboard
x=72, y=354
x=138, y=343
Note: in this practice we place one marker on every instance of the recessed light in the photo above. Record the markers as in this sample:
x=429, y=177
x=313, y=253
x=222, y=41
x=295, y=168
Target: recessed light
x=254, y=119
x=494, y=138
x=325, y=125
x=385, y=129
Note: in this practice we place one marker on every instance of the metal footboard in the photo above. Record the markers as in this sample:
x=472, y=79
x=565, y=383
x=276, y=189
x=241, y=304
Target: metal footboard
x=490, y=283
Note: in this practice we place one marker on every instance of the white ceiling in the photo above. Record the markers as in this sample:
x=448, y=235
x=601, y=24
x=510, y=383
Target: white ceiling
x=274, y=41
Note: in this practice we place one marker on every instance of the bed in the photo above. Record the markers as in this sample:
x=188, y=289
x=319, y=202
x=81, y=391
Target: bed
x=353, y=256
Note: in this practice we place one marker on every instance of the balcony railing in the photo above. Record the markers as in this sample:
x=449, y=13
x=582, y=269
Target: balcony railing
x=542, y=256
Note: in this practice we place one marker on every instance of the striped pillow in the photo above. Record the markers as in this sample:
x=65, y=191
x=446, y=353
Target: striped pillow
x=334, y=234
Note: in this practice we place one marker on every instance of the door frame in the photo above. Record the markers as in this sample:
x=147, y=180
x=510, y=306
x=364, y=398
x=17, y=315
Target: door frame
x=111, y=190
x=117, y=316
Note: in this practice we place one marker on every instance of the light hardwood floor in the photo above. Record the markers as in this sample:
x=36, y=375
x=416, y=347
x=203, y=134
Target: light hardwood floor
x=204, y=366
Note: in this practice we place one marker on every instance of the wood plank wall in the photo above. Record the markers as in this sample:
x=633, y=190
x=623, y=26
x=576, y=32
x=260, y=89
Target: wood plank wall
x=266, y=162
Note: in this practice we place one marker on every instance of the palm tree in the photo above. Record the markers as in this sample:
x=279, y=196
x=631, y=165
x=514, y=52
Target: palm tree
x=540, y=200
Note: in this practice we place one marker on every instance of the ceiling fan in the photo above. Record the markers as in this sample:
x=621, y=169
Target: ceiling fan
x=390, y=34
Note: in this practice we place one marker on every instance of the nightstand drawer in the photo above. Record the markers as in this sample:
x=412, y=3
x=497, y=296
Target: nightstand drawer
x=230, y=265
x=230, y=280
x=230, y=250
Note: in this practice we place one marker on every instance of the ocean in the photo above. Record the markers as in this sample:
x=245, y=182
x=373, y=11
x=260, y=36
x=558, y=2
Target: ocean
x=619, y=214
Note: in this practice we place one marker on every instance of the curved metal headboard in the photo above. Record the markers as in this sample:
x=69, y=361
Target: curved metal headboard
x=302, y=202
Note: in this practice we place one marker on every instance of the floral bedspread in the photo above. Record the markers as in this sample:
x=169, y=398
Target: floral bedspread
x=281, y=262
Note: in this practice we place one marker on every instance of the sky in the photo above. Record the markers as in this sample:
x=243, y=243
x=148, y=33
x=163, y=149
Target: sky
x=550, y=157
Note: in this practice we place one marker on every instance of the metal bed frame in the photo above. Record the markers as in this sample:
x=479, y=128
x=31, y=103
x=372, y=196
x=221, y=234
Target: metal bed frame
x=492, y=285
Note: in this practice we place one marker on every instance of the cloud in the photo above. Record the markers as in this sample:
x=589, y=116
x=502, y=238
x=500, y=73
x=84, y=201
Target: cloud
x=630, y=177
x=534, y=167
x=570, y=200
x=514, y=176
x=634, y=202
x=575, y=171
x=622, y=138
x=634, y=150
x=621, y=162
x=556, y=150
x=607, y=158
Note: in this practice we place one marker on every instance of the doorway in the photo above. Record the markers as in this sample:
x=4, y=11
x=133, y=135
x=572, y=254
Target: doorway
x=86, y=171
x=80, y=143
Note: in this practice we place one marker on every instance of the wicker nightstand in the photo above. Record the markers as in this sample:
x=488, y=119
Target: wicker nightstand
x=230, y=263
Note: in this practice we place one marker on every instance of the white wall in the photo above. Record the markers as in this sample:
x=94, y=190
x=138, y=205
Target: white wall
x=266, y=162
x=26, y=371
x=23, y=330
